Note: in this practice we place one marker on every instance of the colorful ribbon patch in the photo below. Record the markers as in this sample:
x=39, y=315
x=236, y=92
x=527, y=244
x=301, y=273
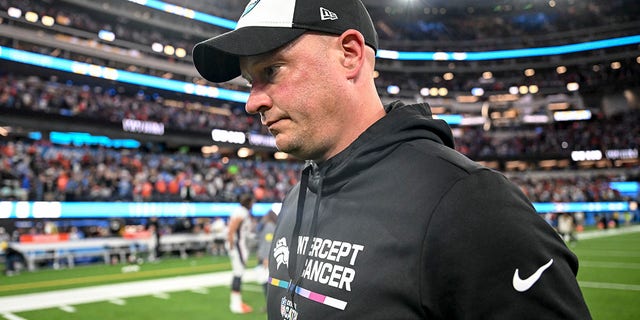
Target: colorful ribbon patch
x=313, y=296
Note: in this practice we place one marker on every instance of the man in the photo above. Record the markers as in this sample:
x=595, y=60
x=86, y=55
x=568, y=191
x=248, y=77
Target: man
x=388, y=220
x=237, y=235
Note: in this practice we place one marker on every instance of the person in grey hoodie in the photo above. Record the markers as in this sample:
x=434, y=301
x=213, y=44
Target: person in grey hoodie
x=388, y=221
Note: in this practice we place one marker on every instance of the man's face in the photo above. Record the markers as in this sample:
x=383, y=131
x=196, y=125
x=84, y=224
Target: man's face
x=295, y=90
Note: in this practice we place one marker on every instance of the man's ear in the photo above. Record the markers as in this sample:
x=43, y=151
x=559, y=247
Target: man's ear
x=353, y=48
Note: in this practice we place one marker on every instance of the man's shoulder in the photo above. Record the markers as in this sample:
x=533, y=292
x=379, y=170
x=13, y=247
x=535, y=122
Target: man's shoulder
x=435, y=155
x=240, y=212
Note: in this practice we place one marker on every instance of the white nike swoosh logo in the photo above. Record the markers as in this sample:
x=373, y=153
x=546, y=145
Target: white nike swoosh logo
x=522, y=285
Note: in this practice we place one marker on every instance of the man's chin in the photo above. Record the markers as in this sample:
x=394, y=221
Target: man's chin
x=287, y=148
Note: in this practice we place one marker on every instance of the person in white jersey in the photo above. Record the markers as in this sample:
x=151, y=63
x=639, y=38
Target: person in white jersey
x=238, y=232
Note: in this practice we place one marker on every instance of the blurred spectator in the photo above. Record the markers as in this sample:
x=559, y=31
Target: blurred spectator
x=153, y=226
x=219, y=230
x=75, y=233
x=566, y=227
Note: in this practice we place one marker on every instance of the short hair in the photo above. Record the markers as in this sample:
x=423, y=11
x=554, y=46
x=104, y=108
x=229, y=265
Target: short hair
x=246, y=200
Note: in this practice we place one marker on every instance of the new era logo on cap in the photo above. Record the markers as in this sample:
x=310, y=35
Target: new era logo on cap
x=327, y=15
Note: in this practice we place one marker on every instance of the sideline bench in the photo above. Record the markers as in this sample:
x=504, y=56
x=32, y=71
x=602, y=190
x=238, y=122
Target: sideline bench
x=70, y=251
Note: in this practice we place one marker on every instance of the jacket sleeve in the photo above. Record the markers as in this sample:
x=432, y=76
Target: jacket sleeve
x=489, y=255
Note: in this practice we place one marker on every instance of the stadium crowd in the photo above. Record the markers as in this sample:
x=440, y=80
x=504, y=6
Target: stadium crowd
x=43, y=171
x=619, y=131
x=574, y=189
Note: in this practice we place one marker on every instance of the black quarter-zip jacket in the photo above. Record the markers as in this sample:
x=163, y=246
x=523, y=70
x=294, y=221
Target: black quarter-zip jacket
x=401, y=226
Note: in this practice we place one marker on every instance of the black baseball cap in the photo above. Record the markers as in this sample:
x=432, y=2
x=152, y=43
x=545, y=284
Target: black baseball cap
x=267, y=25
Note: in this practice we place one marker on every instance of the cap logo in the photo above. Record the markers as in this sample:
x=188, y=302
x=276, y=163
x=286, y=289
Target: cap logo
x=249, y=7
x=327, y=14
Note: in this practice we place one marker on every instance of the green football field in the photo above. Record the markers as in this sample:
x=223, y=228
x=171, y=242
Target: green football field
x=609, y=276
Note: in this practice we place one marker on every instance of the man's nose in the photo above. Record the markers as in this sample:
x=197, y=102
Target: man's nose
x=258, y=101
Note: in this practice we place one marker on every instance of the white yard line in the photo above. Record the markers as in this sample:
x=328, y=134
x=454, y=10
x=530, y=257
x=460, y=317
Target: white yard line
x=200, y=290
x=68, y=309
x=118, y=302
x=10, y=316
x=632, y=252
x=161, y=295
x=610, y=265
x=114, y=292
x=613, y=286
x=608, y=232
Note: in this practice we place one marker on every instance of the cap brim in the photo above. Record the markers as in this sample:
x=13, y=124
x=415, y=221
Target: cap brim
x=217, y=59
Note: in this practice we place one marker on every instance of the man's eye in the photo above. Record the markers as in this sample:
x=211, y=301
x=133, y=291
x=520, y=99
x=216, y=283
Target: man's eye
x=270, y=72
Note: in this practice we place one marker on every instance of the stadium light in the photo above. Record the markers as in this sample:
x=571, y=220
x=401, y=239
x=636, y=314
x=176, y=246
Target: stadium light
x=31, y=16
x=511, y=53
x=280, y=155
x=573, y=86
x=561, y=69
x=523, y=89
x=478, y=92
x=572, y=115
x=106, y=35
x=169, y=50
x=48, y=21
x=459, y=56
x=440, y=56
x=245, y=152
x=209, y=149
x=187, y=13
x=181, y=52
x=393, y=89
x=14, y=12
x=157, y=47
